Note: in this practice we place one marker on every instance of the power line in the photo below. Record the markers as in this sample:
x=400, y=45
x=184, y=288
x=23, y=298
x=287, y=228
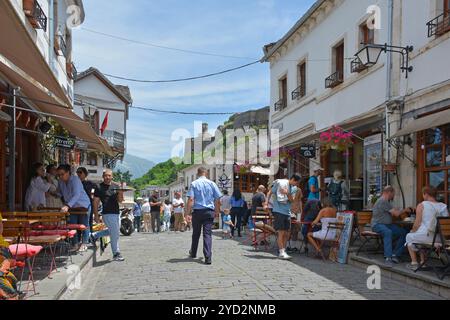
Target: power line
x=184, y=113
x=82, y=103
x=183, y=79
x=203, y=53
x=161, y=46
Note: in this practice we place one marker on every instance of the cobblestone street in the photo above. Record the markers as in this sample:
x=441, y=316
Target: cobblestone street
x=157, y=267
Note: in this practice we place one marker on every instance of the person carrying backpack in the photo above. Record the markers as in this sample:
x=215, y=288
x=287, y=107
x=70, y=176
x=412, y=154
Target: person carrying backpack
x=335, y=189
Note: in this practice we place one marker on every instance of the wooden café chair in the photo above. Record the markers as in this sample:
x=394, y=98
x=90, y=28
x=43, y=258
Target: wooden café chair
x=439, y=246
x=263, y=229
x=363, y=219
x=333, y=244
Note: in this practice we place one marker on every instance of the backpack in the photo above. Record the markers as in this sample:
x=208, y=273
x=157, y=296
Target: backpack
x=334, y=188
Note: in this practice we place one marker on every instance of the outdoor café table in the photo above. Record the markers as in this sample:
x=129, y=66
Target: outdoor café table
x=407, y=224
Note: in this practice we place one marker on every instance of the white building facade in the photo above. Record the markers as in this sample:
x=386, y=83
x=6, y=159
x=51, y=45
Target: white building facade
x=36, y=85
x=316, y=84
x=102, y=103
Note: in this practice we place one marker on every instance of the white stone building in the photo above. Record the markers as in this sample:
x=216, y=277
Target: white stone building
x=316, y=84
x=36, y=85
x=96, y=99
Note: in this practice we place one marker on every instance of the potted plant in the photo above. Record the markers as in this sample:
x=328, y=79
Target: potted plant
x=29, y=10
x=28, y=6
x=336, y=139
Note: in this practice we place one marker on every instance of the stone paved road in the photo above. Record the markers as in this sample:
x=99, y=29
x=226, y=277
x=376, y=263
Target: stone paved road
x=157, y=267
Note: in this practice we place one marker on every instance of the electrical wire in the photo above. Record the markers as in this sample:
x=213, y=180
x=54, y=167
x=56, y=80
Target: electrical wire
x=184, y=113
x=81, y=103
x=161, y=46
x=203, y=53
x=183, y=79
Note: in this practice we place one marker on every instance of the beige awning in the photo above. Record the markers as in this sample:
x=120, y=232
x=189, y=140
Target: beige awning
x=431, y=121
x=29, y=87
x=260, y=170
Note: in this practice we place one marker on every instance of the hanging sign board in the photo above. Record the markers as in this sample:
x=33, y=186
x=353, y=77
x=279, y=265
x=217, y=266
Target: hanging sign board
x=308, y=151
x=64, y=143
x=81, y=145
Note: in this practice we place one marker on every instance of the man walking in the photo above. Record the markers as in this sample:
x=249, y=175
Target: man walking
x=110, y=196
x=285, y=194
x=178, y=209
x=204, y=199
x=155, y=208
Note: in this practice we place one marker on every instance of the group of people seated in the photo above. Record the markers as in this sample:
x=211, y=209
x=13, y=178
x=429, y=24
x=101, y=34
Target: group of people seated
x=396, y=238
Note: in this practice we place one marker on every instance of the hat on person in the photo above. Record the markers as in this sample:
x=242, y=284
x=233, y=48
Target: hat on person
x=317, y=168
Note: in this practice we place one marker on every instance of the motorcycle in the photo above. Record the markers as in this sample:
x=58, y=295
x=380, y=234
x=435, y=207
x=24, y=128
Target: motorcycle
x=126, y=222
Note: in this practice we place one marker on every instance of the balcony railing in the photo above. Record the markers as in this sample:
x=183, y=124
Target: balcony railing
x=281, y=105
x=357, y=66
x=334, y=80
x=115, y=139
x=439, y=25
x=71, y=70
x=62, y=46
x=298, y=93
x=35, y=14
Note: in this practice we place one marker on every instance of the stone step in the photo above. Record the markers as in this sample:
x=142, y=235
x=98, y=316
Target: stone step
x=427, y=281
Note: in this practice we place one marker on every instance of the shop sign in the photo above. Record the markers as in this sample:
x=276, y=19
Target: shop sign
x=308, y=151
x=64, y=143
x=81, y=145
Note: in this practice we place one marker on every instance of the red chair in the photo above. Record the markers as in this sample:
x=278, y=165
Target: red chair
x=21, y=251
x=308, y=225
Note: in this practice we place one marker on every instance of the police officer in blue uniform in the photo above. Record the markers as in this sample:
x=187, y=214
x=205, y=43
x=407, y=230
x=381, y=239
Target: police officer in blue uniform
x=204, y=198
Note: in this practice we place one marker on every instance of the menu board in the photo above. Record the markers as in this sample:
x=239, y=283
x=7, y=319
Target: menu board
x=346, y=235
x=373, y=159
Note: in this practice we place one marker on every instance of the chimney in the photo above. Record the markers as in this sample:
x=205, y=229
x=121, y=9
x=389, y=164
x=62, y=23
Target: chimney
x=204, y=127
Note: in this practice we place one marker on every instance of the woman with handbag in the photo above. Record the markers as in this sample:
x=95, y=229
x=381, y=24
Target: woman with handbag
x=425, y=225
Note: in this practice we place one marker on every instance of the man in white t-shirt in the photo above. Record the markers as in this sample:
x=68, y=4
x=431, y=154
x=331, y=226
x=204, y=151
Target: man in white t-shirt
x=146, y=215
x=225, y=206
x=178, y=209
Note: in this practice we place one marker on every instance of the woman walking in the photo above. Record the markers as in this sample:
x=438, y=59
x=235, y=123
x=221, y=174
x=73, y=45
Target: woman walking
x=237, y=211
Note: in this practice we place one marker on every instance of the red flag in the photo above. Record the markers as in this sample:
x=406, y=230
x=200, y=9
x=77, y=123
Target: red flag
x=105, y=123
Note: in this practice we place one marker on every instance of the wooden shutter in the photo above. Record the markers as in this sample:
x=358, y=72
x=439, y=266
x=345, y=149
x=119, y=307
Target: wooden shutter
x=340, y=60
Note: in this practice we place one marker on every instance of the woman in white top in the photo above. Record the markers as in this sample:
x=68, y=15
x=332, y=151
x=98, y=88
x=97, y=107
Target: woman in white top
x=53, y=200
x=424, y=227
x=166, y=210
x=39, y=186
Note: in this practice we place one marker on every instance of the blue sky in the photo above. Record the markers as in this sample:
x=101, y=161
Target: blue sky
x=232, y=27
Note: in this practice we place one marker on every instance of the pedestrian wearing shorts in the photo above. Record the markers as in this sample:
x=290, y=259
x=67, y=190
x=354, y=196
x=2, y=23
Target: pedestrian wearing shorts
x=284, y=194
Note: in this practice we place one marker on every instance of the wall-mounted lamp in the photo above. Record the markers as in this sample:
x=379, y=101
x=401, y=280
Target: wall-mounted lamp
x=370, y=53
